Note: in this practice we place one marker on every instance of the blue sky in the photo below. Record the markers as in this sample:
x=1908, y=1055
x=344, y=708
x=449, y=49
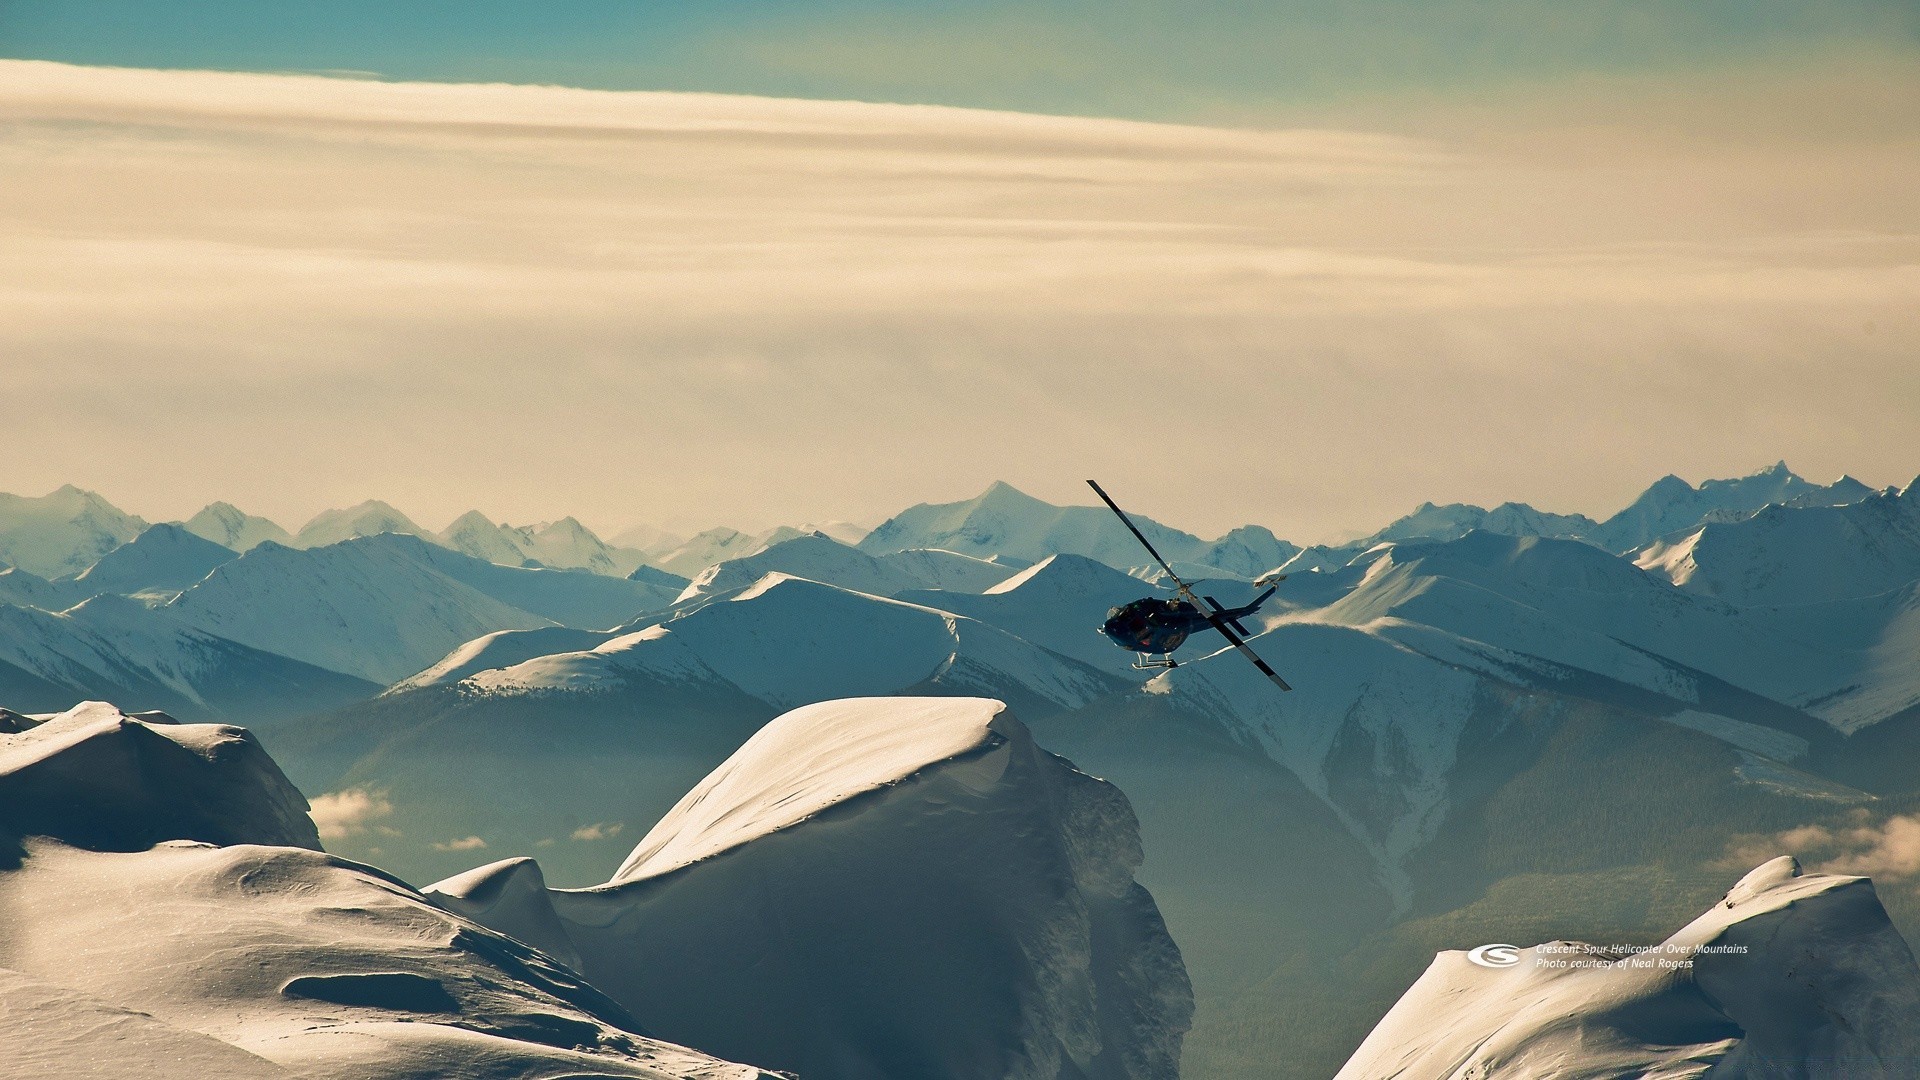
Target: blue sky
x=1163, y=59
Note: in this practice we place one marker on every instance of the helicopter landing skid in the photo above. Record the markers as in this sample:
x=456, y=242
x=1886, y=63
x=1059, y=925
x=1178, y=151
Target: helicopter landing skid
x=1148, y=663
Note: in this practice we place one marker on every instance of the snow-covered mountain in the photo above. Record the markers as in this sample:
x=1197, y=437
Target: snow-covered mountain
x=367, y=608
x=564, y=545
x=718, y=545
x=160, y=562
x=1800, y=554
x=1672, y=505
x=17, y=586
x=110, y=646
x=1058, y=602
x=170, y=915
x=814, y=556
x=927, y=851
x=1455, y=520
x=951, y=571
x=788, y=641
x=232, y=528
x=383, y=607
x=1789, y=975
x=649, y=540
x=1005, y=521
x=370, y=518
x=62, y=532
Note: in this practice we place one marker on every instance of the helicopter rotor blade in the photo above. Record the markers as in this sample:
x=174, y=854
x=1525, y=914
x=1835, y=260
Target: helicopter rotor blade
x=1181, y=586
x=1245, y=650
x=1186, y=591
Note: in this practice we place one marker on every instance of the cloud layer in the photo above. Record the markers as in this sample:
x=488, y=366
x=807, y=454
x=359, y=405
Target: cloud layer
x=292, y=292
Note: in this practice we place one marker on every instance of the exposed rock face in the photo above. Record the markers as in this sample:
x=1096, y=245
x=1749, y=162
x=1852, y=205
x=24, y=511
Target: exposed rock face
x=883, y=888
x=1791, y=977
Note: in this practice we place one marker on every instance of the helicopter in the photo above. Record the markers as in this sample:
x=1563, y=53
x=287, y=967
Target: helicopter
x=1155, y=626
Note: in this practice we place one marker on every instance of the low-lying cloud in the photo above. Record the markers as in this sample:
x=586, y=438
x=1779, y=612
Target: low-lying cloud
x=1887, y=849
x=603, y=830
x=341, y=815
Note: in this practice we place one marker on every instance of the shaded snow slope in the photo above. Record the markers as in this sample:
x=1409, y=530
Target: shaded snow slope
x=883, y=888
x=1005, y=521
x=1672, y=505
x=28, y=589
x=370, y=518
x=1059, y=603
x=234, y=529
x=788, y=641
x=716, y=545
x=98, y=778
x=371, y=609
x=503, y=648
x=1799, y=554
x=949, y=571
x=62, y=532
x=564, y=545
x=816, y=557
x=137, y=947
x=327, y=969
x=163, y=560
x=1790, y=976
x=113, y=647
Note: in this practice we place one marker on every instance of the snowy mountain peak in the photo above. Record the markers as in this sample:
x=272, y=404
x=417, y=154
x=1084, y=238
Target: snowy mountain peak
x=163, y=559
x=62, y=532
x=809, y=759
x=369, y=518
x=234, y=529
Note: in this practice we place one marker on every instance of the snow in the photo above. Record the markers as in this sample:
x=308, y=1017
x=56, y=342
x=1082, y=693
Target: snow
x=649, y=540
x=651, y=656
x=1058, y=602
x=500, y=649
x=882, y=888
x=234, y=529
x=1798, y=555
x=707, y=548
x=948, y=571
x=815, y=556
x=138, y=946
x=1791, y=975
x=18, y=586
x=565, y=545
x=323, y=968
x=1672, y=505
x=97, y=777
x=370, y=518
x=1005, y=521
x=161, y=561
x=789, y=641
x=374, y=611
x=111, y=646
x=812, y=758
x=62, y=532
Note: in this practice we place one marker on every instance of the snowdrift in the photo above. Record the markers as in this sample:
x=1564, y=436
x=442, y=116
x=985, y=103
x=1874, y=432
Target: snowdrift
x=1790, y=977
x=264, y=959
x=96, y=777
x=880, y=888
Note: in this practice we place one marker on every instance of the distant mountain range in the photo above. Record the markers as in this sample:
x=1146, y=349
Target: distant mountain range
x=1738, y=657
x=367, y=595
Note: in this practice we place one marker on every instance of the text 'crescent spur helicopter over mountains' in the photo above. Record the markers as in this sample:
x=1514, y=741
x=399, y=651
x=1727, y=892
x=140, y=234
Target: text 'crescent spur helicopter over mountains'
x=1154, y=626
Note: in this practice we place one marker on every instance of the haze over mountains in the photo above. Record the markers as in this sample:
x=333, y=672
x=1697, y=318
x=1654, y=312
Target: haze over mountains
x=1714, y=669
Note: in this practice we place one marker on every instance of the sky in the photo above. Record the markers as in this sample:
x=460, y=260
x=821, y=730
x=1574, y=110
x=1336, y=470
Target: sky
x=1300, y=265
